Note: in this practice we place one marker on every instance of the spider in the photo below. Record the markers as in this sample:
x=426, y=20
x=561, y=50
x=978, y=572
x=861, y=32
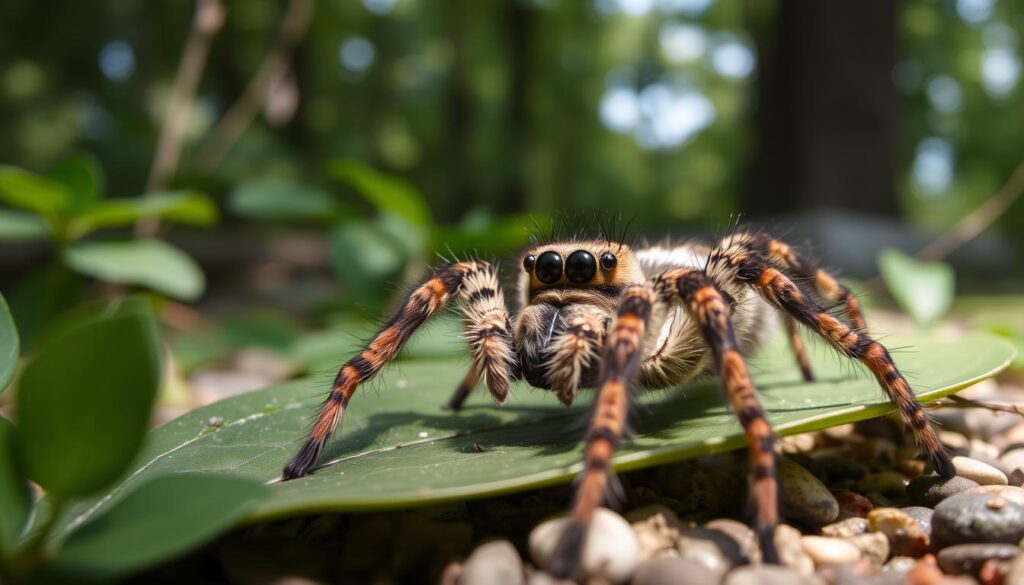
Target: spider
x=597, y=313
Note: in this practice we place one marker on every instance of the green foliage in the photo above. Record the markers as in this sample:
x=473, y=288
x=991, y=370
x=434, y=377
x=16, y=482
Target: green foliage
x=84, y=399
x=185, y=207
x=924, y=290
x=21, y=226
x=387, y=193
x=9, y=345
x=276, y=200
x=149, y=263
x=162, y=518
x=398, y=449
x=15, y=501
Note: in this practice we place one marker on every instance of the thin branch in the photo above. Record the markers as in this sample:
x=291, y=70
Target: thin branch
x=208, y=20
x=271, y=72
x=961, y=402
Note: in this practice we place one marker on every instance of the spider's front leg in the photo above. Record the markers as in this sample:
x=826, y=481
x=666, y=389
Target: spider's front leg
x=425, y=301
x=573, y=351
x=622, y=357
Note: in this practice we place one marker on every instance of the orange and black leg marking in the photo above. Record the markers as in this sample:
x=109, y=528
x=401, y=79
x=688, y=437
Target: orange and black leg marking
x=572, y=352
x=782, y=292
x=799, y=350
x=421, y=304
x=622, y=357
x=706, y=306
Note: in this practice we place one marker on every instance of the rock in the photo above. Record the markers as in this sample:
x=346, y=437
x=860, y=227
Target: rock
x=970, y=518
x=1007, y=492
x=929, y=490
x=873, y=547
x=742, y=534
x=829, y=551
x=657, y=530
x=967, y=559
x=1013, y=459
x=846, y=528
x=1015, y=573
x=766, y=575
x=853, y=504
x=923, y=517
x=712, y=549
x=981, y=473
x=803, y=497
x=791, y=550
x=899, y=565
x=889, y=483
x=903, y=532
x=910, y=467
x=673, y=571
x=493, y=562
x=610, y=550
x=801, y=443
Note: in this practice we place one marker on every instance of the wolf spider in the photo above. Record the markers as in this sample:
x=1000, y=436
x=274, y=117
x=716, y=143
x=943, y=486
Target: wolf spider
x=599, y=314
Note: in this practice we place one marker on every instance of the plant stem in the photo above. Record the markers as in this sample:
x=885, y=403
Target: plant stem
x=34, y=551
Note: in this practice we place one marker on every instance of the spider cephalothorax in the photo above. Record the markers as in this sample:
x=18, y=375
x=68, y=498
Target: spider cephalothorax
x=596, y=313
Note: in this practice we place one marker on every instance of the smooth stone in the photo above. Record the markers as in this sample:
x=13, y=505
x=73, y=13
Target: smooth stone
x=889, y=483
x=929, y=490
x=791, y=550
x=899, y=565
x=610, y=552
x=493, y=562
x=742, y=534
x=873, y=547
x=967, y=559
x=923, y=517
x=1015, y=573
x=766, y=575
x=903, y=532
x=1013, y=459
x=673, y=571
x=714, y=550
x=803, y=497
x=846, y=528
x=981, y=473
x=970, y=518
x=853, y=504
x=656, y=530
x=1009, y=493
x=829, y=551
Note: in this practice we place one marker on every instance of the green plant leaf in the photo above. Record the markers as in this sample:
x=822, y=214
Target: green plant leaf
x=40, y=296
x=15, y=499
x=398, y=449
x=275, y=200
x=162, y=518
x=9, y=345
x=366, y=257
x=387, y=193
x=83, y=177
x=184, y=207
x=84, y=400
x=18, y=226
x=25, y=190
x=150, y=263
x=924, y=290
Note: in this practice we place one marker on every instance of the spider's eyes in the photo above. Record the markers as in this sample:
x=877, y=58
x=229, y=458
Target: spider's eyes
x=528, y=262
x=549, y=267
x=608, y=261
x=580, y=266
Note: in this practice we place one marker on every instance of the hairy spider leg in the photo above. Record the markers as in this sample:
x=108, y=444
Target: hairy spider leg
x=622, y=356
x=779, y=290
x=797, y=345
x=425, y=301
x=572, y=351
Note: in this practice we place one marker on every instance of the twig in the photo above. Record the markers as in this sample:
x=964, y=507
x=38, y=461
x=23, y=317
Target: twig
x=208, y=20
x=961, y=402
x=269, y=74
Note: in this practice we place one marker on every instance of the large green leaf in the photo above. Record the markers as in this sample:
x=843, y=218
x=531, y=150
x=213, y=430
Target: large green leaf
x=9, y=345
x=14, y=494
x=18, y=226
x=149, y=263
x=387, y=193
x=84, y=400
x=83, y=176
x=184, y=207
x=20, y=188
x=276, y=200
x=399, y=449
x=160, y=519
x=924, y=290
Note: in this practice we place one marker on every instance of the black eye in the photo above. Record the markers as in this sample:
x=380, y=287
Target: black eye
x=608, y=261
x=580, y=266
x=528, y=262
x=549, y=267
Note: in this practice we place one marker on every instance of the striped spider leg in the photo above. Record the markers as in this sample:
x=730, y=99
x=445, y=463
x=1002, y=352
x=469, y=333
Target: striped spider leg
x=476, y=286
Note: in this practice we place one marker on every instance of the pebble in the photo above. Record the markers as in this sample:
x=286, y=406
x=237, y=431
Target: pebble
x=674, y=571
x=1013, y=459
x=493, y=562
x=611, y=551
x=1015, y=573
x=791, y=550
x=929, y=490
x=899, y=565
x=853, y=504
x=981, y=473
x=742, y=534
x=846, y=528
x=803, y=497
x=829, y=551
x=967, y=559
x=969, y=518
x=903, y=532
x=712, y=549
x=923, y=517
x=873, y=547
x=1009, y=493
x=656, y=529
x=766, y=575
